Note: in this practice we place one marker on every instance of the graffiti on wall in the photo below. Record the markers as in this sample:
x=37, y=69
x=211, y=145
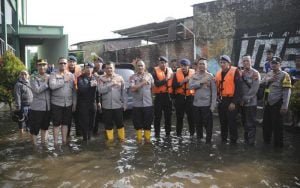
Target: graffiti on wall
x=285, y=44
x=212, y=51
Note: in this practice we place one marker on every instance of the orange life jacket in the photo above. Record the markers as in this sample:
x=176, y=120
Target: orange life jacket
x=167, y=88
x=226, y=87
x=77, y=73
x=183, y=90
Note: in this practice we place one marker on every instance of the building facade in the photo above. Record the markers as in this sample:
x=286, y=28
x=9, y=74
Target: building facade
x=16, y=34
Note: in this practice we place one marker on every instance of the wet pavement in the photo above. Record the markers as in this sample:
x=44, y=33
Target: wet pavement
x=167, y=162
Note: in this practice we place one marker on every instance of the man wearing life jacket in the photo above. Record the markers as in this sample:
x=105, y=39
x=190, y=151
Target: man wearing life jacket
x=76, y=71
x=229, y=96
x=277, y=99
x=162, y=89
x=183, y=96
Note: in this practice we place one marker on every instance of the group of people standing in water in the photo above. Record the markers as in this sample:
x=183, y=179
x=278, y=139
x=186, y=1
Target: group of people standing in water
x=71, y=93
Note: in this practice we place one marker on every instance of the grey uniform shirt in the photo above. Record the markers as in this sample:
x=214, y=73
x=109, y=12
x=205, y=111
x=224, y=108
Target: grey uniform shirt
x=143, y=96
x=113, y=96
x=205, y=89
x=23, y=94
x=279, y=86
x=250, y=85
x=41, y=92
x=63, y=93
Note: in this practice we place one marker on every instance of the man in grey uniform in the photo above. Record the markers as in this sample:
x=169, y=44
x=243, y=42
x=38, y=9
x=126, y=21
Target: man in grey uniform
x=277, y=98
x=250, y=85
x=205, y=99
x=39, y=118
x=141, y=84
x=63, y=99
x=114, y=101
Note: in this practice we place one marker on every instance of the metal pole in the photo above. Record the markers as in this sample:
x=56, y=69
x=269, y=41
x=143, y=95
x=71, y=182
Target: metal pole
x=4, y=27
x=194, y=39
x=116, y=56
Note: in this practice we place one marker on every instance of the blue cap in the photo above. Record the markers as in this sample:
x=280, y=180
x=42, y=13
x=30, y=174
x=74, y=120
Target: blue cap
x=72, y=58
x=89, y=64
x=225, y=58
x=163, y=58
x=185, y=62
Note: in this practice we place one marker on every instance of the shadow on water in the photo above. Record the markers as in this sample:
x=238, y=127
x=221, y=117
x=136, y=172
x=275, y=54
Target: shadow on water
x=166, y=162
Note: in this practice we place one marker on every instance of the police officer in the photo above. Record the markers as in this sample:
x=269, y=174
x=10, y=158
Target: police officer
x=174, y=65
x=63, y=99
x=23, y=98
x=142, y=113
x=183, y=96
x=162, y=89
x=98, y=71
x=205, y=98
x=86, y=100
x=267, y=63
x=250, y=85
x=295, y=96
x=114, y=101
x=39, y=118
x=278, y=90
x=295, y=72
x=76, y=71
x=229, y=96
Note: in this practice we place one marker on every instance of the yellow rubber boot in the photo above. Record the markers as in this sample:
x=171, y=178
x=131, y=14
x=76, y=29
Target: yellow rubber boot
x=110, y=135
x=139, y=135
x=121, y=134
x=147, y=134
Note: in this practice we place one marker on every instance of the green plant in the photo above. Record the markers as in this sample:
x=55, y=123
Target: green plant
x=10, y=67
x=33, y=63
x=295, y=98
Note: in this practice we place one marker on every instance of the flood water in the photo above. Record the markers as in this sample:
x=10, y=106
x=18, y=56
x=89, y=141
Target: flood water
x=168, y=162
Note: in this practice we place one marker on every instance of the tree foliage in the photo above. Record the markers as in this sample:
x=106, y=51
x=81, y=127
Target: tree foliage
x=10, y=67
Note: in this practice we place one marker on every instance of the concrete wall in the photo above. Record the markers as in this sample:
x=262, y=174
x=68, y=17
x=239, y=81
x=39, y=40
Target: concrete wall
x=150, y=53
x=237, y=27
x=52, y=49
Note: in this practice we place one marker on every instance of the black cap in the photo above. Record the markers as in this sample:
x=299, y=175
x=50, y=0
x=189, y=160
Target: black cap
x=276, y=59
x=72, y=58
x=163, y=58
x=89, y=64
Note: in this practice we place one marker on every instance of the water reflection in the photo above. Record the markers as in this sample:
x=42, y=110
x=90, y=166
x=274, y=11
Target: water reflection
x=167, y=162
